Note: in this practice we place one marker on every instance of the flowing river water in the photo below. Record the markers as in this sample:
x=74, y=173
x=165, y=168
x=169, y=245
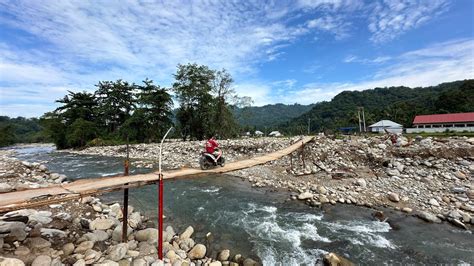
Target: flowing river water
x=266, y=226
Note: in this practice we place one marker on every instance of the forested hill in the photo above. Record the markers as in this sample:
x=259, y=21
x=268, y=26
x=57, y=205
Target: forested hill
x=399, y=104
x=269, y=115
x=20, y=129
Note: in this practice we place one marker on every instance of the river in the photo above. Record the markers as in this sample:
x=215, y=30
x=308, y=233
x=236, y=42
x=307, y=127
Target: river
x=266, y=226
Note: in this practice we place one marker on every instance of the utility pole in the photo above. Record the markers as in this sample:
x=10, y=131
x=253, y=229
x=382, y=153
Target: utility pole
x=363, y=118
x=360, y=124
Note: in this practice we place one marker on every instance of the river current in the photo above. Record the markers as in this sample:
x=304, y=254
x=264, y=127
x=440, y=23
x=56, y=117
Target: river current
x=266, y=226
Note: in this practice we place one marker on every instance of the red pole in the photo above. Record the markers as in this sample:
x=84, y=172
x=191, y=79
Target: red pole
x=160, y=218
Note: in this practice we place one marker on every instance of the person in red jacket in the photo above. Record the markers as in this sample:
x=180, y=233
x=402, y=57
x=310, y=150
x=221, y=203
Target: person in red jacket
x=212, y=147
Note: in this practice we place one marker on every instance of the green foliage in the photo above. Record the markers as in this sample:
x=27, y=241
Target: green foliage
x=204, y=97
x=116, y=112
x=400, y=104
x=20, y=130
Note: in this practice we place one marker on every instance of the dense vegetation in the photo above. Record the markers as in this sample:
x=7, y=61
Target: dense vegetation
x=20, y=130
x=271, y=115
x=399, y=104
x=121, y=111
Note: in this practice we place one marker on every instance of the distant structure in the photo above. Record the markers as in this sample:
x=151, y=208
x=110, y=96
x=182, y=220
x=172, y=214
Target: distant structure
x=258, y=133
x=275, y=134
x=442, y=122
x=386, y=125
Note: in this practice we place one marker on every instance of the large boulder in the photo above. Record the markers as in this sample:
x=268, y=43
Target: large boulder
x=187, y=233
x=13, y=230
x=4, y=187
x=11, y=262
x=38, y=244
x=117, y=252
x=146, y=234
x=332, y=259
x=117, y=233
x=223, y=255
x=197, y=252
x=392, y=196
x=41, y=261
x=428, y=217
x=305, y=195
x=101, y=224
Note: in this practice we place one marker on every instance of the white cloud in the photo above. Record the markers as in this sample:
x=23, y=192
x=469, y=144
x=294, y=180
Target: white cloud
x=356, y=59
x=391, y=18
x=335, y=25
x=438, y=63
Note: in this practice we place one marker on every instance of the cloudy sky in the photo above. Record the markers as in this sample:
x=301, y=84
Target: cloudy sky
x=277, y=51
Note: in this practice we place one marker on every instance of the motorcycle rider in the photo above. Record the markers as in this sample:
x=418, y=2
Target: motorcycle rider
x=212, y=147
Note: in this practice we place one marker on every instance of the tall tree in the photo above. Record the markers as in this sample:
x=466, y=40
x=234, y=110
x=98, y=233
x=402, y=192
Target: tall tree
x=116, y=103
x=77, y=105
x=154, y=107
x=193, y=88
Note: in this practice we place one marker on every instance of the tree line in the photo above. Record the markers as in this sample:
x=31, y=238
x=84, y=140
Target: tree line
x=119, y=111
x=399, y=104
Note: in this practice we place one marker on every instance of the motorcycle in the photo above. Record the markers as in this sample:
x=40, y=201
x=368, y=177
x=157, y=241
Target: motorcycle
x=208, y=161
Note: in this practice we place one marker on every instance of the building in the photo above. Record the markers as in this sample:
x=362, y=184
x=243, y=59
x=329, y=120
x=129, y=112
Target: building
x=258, y=133
x=442, y=122
x=386, y=125
x=275, y=134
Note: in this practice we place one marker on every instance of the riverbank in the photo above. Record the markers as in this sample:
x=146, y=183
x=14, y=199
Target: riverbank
x=88, y=232
x=426, y=177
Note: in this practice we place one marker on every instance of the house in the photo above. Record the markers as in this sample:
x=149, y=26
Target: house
x=386, y=125
x=258, y=133
x=443, y=122
x=275, y=134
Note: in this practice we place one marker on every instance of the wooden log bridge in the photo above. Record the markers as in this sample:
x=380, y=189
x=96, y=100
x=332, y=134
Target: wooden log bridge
x=95, y=186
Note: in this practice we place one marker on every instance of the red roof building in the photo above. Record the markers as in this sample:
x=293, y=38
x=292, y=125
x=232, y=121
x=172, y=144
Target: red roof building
x=444, y=120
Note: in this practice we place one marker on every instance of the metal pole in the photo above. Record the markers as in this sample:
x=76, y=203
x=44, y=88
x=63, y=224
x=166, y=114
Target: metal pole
x=363, y=119
x=360, y=124
x=160, y=201
x=125, y=200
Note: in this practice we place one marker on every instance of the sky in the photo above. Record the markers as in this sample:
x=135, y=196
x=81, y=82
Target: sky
x=298, y=51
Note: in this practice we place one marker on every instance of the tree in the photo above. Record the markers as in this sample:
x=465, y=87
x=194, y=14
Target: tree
x=80, y=132
x=154, y=107
x=224, y=94
x=80, y=105
x=55, y=128
x=7, y=135
x=116, y=103
x=193, y=90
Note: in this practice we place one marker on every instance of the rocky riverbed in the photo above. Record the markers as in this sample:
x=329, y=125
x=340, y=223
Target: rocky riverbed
x=88, y=232
x=430, y=178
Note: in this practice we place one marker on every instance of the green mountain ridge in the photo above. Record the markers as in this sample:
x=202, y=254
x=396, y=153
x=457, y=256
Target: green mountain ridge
x=399, y=104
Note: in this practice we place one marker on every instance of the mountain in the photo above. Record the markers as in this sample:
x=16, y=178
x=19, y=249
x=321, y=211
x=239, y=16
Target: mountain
x=399, y=104
x=269, y=115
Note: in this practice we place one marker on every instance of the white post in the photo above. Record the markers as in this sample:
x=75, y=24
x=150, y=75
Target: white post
x=161, y=146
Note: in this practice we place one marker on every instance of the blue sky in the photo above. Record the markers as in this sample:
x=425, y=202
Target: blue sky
x=279, y=51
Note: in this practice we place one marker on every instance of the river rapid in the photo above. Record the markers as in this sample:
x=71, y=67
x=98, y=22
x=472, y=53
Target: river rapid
x=266, y=226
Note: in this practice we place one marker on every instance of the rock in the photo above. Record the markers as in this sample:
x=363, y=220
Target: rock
x=223, y=255
x=460, y=175
x=250, y=262
x=186, y=244
x=382, y=146
x=322, y=190
x=80, y=262
x=14, y=231
x=393, y=197
x=42, y=260
x=332, y=259
x=117, y=233
x=50, y=232
x=97, y=236
x=38, y=244
x=117, y=252
x=470, y=193
x=305, y=195
x=101, y=224
x=84, y=246
x=10, y=262
x=68, y=249
x=147, y=249
x=379, y=215
x=434, y=202
x=146, y=234
x=187, y=233
x=407, y=210
x=134, y=220
x=393, y=172
x=4, y=187
x=361, y=182
x=215, y=263
x=428, y=217
x=22, y=251
x=197, y=252
x=42, y=217
x=171, y=255
x=458, y=223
